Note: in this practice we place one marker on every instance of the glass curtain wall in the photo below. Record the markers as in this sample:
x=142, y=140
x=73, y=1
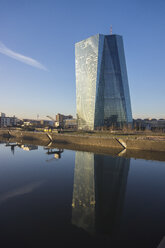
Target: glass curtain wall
x=102, y=91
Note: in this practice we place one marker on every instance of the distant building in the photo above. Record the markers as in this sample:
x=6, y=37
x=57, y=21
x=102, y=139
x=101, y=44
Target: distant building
x=45, y=123
x=60, y=118
x=7, y=121
x=102, y=91
x=30, y=122
x=37, y=123
x=3, y=114
x=149, y=124
x=70, y=123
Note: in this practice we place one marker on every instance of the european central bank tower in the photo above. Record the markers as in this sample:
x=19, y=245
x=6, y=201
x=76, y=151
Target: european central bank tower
x=102, y=91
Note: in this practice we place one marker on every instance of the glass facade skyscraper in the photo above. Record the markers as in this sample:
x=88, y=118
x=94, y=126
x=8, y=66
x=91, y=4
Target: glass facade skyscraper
x=102, y=91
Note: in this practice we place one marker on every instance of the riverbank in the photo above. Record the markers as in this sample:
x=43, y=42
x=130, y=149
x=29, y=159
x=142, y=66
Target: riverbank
x=127, y=145
x=120, y=152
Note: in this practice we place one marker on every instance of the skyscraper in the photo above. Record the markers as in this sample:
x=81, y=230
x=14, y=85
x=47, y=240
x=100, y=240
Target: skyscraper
x=102, y=91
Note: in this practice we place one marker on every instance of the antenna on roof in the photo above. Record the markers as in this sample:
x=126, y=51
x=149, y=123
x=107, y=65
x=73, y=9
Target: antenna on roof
x=111, y=30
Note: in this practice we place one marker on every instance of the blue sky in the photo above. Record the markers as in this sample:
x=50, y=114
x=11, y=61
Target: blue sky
x=37, y=63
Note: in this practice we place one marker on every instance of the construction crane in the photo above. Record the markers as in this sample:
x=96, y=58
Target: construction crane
x=54, y=121
x=111, y=30
x=51, y=118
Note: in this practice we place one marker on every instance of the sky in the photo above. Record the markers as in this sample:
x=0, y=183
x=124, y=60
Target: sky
x=37, y=53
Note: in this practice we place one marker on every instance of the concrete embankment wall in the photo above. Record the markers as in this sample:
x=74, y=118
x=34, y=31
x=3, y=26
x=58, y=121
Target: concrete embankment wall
x=145, y=144
x=114, y=142
x=139, y=143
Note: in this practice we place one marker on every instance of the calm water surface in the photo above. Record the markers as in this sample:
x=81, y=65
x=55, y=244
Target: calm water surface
x=70, y=198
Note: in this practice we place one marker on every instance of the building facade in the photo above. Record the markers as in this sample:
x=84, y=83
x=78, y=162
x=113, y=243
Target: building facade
x=70, y=123
x=62, y=118
x=7, y=121
x=149, y=124
x=102, y=91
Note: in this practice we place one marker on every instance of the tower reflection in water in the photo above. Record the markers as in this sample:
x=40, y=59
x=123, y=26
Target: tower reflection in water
x=99, y=192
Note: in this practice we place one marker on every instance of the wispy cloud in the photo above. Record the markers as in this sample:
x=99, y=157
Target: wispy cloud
x=27, y=60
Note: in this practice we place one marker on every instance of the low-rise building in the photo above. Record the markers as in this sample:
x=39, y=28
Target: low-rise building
x=3, y=114
x=149, y=124
x=6, y=121
x=45, y=123
x=70, y=123
x=61, y=118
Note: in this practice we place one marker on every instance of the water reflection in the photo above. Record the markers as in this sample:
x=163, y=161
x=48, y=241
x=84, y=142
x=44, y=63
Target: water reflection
x=22, y=190
x=29, y=147
x=98, y=192
x=83, y=203
x=110, y=179
x=12, y=146
x=25, y=147
x=57, y=153
x=85, y=196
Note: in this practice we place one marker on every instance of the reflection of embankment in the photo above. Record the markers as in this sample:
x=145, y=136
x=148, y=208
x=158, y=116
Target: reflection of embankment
x=99, y=190
x=150, y=155
x=98, y=140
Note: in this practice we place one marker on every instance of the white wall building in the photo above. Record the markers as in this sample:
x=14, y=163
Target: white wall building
x=7, y=121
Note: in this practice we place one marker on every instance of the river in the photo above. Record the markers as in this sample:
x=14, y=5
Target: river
x=60, y=198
